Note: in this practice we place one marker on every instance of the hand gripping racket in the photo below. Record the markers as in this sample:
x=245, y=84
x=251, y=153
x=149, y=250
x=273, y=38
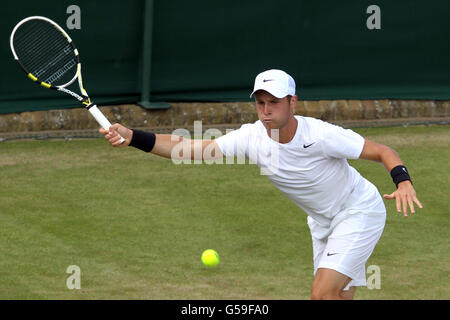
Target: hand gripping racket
x=48, y=56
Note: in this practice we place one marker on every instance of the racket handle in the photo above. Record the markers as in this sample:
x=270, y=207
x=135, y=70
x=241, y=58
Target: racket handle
x=101, y=119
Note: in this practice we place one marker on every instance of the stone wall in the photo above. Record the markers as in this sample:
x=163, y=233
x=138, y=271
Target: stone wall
x=182, y=115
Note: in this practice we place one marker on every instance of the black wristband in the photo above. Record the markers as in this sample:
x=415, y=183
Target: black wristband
x=399, y=174
x=143, y=140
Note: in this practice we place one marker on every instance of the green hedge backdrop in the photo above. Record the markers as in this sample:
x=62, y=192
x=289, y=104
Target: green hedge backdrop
x=212, y=50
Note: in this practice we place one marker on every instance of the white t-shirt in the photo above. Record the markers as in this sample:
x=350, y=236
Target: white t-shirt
x=311, y=169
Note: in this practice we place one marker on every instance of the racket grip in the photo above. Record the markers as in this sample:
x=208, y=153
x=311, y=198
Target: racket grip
x=101, y=119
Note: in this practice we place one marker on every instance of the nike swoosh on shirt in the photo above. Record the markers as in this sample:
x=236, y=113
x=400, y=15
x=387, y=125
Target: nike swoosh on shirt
x=331, y=254
x=308, y=145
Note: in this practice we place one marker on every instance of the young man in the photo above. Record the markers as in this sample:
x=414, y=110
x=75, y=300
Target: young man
x=306, y=159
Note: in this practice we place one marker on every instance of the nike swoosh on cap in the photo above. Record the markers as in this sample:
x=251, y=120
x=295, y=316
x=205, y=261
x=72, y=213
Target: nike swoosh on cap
x=266, y=80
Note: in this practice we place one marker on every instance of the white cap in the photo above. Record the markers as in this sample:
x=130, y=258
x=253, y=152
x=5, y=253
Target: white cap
x=276, y=82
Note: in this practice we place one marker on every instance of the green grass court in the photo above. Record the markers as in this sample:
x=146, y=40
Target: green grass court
x=136, y=224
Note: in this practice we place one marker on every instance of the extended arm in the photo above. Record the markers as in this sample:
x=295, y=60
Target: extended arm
x=167, y=145
x=405, y=195
x=176, y=147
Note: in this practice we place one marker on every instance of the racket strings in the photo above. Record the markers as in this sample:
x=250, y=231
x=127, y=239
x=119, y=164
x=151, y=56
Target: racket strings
x=45, y=52
x=32, y=63
x=41, y=42
x=49, y=57
x=34, y=46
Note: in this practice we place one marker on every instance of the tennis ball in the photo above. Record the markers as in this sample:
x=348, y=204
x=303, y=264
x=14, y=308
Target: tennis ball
x=210, y=258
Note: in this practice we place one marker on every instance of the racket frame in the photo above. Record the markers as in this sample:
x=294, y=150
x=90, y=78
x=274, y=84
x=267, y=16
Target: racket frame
x=84, y=97
x=69, y=40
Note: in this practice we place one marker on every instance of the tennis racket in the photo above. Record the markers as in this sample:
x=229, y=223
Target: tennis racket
x=48, y=56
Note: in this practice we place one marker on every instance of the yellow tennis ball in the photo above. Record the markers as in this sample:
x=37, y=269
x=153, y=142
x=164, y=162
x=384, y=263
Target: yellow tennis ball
x=210, y=258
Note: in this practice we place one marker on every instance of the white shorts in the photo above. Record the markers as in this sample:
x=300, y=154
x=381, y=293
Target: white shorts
x=348, y=244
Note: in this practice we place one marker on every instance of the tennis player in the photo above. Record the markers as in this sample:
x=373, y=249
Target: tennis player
x=346, y=213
